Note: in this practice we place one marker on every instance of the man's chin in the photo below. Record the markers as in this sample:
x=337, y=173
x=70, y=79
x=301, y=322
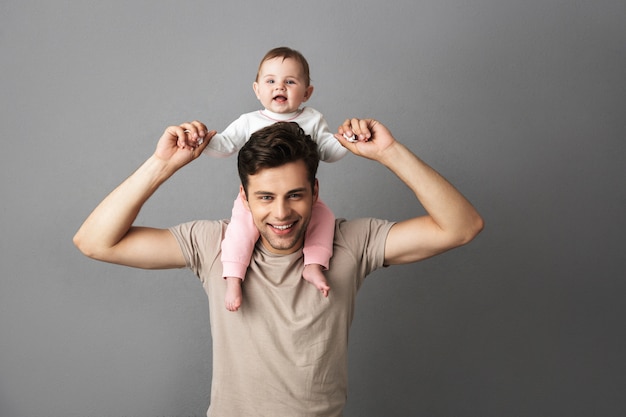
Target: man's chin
x=282, y=245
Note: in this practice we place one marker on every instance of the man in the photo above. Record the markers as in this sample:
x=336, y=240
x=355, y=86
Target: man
x=285, y=352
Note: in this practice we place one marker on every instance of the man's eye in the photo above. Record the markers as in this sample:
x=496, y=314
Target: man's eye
x=295, y=196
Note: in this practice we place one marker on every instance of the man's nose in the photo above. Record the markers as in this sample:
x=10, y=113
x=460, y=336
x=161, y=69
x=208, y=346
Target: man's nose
x=282, y=209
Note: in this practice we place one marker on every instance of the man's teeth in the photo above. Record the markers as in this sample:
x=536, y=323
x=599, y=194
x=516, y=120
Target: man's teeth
x=284, y=227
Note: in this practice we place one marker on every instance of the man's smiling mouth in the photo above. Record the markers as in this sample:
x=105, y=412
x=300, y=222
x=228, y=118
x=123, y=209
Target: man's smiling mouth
x=283, y=227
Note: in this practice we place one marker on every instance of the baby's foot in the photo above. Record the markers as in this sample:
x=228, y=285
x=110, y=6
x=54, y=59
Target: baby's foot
x=313, y=273
x=233, y=293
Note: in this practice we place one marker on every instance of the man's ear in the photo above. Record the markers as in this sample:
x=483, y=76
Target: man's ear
x=308, y=93
x=316, y=190
x=243, y=197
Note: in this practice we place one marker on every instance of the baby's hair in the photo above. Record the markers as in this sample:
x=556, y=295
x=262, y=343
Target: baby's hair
x=287, y=53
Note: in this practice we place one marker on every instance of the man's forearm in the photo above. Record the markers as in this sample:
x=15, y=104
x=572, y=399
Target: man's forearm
x=450, y=212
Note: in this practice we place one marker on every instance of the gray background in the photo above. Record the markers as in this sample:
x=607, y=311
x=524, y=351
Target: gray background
x=520, y=103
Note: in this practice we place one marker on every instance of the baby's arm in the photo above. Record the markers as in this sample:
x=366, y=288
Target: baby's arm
x=329, y=148
x=239, y=240
x=230, y=140
x=318, y=241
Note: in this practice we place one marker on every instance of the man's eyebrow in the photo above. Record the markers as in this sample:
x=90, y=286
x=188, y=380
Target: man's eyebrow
x=295, y=190
x=263, y=193
x=298, y=190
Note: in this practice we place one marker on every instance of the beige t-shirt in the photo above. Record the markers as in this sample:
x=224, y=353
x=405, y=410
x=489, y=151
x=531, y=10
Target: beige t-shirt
x=284, y=353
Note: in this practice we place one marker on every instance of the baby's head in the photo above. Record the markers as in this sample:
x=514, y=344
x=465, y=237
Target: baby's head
x=284, y=53
x=283, y=81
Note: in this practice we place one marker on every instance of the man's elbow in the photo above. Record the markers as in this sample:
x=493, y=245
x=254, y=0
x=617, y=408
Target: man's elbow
x=85, y=248
x=81, y=246
x=473, y=228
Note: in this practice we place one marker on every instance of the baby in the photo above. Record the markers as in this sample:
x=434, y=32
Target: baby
x=282, y=85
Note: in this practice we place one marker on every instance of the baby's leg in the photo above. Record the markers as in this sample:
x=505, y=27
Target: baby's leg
x=314, y=274
x=233, y=293
x=318, y=246
x=237, y=247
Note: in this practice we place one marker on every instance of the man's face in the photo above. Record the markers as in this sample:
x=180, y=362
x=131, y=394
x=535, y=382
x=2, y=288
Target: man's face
x=281, y=200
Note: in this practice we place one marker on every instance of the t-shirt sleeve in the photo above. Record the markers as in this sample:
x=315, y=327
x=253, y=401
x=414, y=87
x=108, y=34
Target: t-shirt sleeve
x=329, y=148
x=200, y=242
x=364, y=241
x=229, y=141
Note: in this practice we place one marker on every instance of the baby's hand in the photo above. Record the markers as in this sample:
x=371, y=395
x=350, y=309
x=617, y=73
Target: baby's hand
x=350, y=138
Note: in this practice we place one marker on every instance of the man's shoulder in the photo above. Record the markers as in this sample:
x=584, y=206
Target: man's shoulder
x=359, y=246
x=204, y=223
x=200, y=243
x=200, y=228
x=359, y=222
x=360, y=227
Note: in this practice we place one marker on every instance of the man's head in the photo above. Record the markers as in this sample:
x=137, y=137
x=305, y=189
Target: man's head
x=275, y=145
x=277, y=168
x=283, y=81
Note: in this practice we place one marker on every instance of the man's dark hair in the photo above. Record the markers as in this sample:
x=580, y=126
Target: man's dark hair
x=276, y=145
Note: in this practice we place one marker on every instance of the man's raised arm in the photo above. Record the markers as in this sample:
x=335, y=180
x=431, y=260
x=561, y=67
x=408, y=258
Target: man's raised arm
x=108, y=233
x=450, y=221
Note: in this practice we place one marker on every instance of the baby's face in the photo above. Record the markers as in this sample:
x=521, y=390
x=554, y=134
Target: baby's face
x=281, y=86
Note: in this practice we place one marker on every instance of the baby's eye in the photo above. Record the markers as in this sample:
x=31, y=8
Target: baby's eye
x=270, y=81
x=291, y=82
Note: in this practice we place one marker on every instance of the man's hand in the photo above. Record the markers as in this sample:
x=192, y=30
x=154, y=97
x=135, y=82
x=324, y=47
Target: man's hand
x=372, y=138
x=181, y=144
